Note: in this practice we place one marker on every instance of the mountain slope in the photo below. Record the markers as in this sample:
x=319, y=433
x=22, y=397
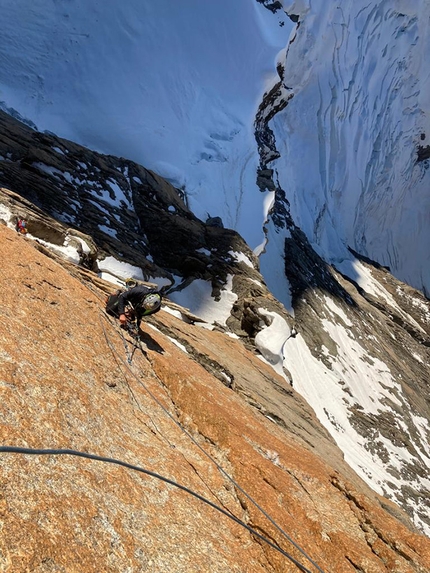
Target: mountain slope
x=361, y=354
x=66, y=383
x=349, y=128
x=172, y=87
x=249, y=108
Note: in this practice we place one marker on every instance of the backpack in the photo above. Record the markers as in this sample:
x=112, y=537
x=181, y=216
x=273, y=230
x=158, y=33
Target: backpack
x=112, y=303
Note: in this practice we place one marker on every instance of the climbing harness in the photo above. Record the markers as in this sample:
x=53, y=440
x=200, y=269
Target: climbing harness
x=133, y=331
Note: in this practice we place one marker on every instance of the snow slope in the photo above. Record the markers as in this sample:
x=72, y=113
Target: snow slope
x=349, y=137
x=175, y=86
x=171, y=85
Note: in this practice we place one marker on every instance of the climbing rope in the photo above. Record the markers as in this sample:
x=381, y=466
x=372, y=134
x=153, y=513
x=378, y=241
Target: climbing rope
x=67, y=452
x=218, y=466
x=158, y=431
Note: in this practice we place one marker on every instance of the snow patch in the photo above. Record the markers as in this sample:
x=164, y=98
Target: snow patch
x=198, y=298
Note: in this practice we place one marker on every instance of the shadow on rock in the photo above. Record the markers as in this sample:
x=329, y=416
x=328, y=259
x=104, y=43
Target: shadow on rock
x=149, y=342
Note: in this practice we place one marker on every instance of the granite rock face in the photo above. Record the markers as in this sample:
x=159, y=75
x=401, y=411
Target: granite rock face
x=66, y=383
x=204, y=408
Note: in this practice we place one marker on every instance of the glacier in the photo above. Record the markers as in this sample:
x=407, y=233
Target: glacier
x=173, y=86
x=349, y=138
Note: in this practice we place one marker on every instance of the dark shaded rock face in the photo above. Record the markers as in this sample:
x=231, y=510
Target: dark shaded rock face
x=215, y=222
x=128, y=211
x=423, y=153
x=272, y=5
x=274, y=101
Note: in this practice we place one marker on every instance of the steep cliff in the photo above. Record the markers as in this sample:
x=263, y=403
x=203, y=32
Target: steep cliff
x=361, y=355
x=233, y=397
x=350, y=130
x=70, y=379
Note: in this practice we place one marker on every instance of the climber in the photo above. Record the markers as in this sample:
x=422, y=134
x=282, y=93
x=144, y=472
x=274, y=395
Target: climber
x=21, y=225
x=133, y=304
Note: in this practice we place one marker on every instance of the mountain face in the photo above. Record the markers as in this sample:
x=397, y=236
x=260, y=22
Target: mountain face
x=277, y=205
x=251, y=108
x=133, y=457
x=351, y=137
x=345, y=380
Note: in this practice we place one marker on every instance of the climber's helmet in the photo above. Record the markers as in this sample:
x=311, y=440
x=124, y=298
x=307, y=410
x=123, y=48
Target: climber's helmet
x=151, y=301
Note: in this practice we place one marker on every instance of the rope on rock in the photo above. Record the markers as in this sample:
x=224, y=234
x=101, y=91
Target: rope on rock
x=218, y=466
x=67, y=452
